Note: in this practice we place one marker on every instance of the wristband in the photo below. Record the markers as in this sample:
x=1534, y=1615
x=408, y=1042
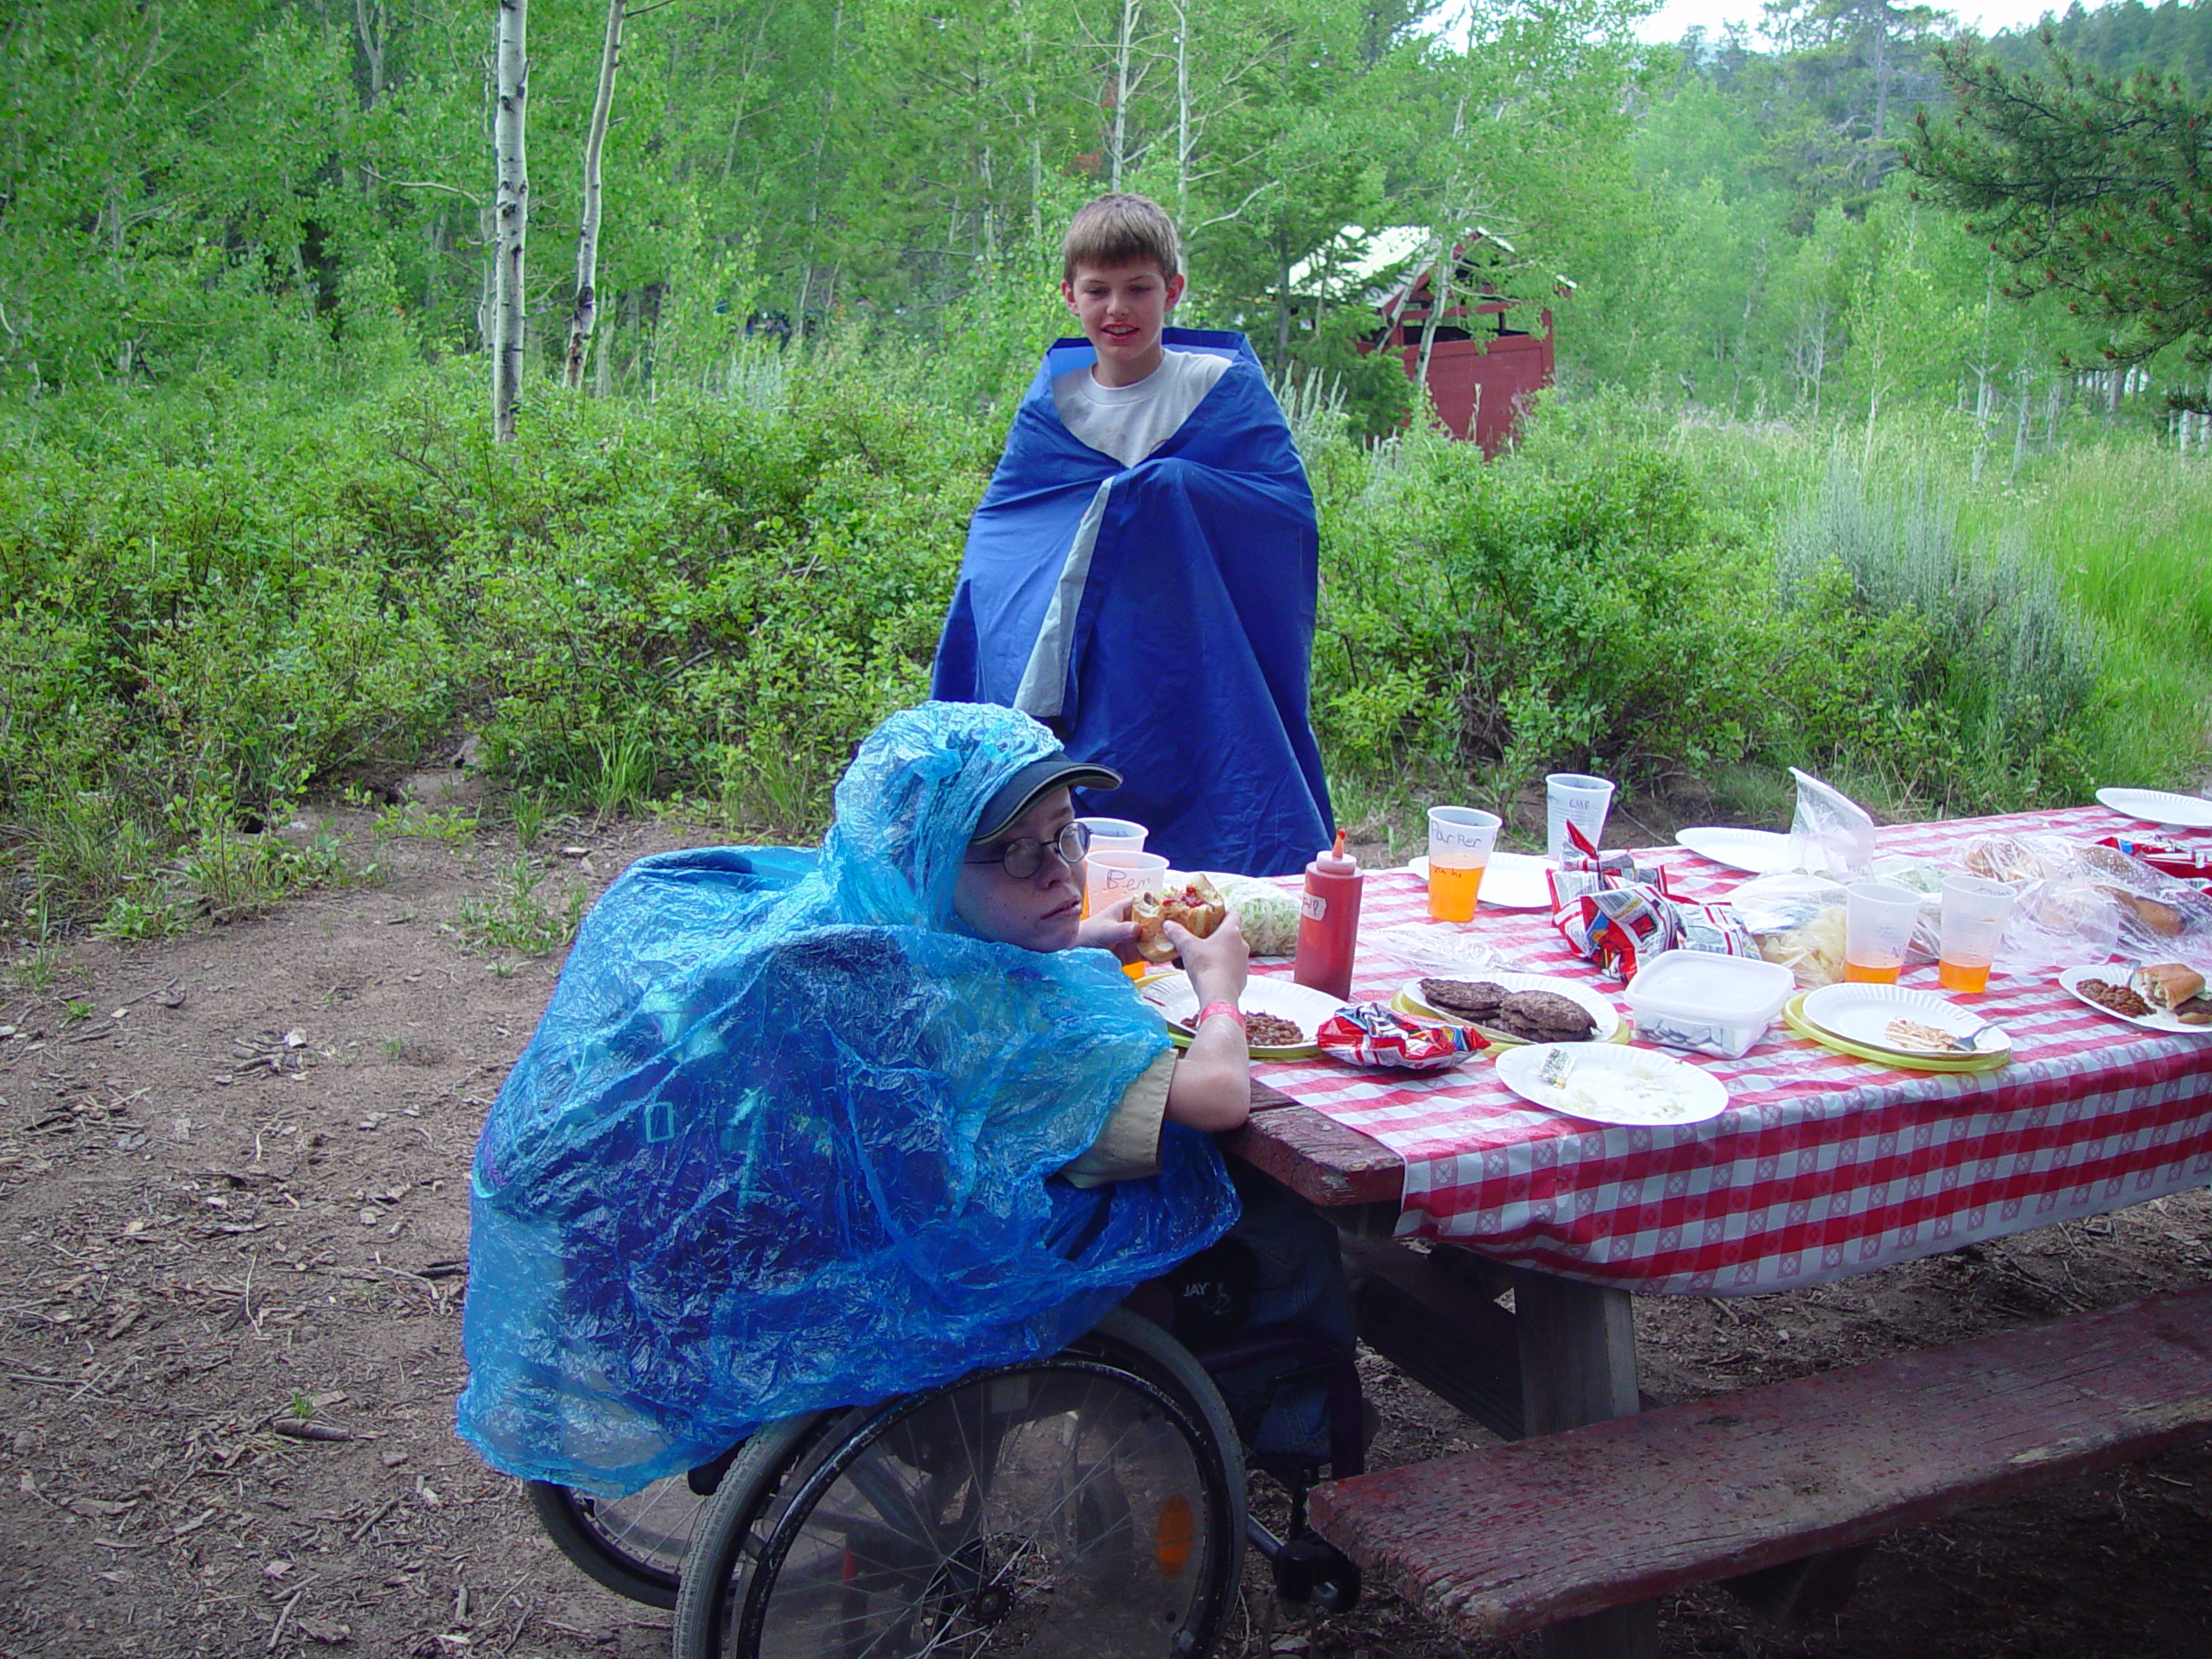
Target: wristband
x=1229, y=1009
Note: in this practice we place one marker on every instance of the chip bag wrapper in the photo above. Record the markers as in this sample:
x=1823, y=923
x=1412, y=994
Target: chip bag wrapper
x=1376, y=1034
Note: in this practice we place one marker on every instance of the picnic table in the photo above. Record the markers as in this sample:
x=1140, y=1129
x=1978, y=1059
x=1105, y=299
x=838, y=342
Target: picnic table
x=1824, y=1166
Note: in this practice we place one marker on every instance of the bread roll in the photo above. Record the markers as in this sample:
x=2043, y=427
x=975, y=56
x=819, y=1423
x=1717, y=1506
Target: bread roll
x=1196, y=905
x=2165, y=984
x=2162, y=919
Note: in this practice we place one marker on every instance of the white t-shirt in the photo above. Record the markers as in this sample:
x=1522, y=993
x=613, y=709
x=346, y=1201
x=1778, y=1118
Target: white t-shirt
x=1129, y=422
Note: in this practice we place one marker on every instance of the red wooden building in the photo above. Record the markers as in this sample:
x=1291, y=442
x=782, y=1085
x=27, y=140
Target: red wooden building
x=1482, y=368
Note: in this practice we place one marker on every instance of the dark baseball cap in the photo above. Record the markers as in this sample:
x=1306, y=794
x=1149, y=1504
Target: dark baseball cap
x=1019, y=793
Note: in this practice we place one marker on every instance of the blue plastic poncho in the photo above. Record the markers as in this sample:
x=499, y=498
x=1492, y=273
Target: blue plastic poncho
x=1174, y=642
x=784, y=1139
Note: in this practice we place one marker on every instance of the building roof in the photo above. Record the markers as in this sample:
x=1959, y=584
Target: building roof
x=1378, y=265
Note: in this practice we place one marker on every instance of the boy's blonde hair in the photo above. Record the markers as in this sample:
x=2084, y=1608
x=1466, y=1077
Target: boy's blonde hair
x=1120, y=230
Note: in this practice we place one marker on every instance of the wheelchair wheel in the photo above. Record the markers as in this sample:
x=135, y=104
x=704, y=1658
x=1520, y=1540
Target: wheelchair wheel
x=1081, y=1505
x=633, y=1545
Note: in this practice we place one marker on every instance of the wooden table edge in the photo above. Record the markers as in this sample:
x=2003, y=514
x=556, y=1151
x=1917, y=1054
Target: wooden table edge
x=1316, y=1157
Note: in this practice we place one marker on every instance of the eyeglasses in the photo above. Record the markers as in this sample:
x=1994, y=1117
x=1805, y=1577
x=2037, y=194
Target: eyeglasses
x=1022, y=858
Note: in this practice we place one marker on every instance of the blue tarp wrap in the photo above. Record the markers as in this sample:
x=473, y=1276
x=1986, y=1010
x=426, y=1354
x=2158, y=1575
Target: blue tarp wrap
x=784, y=1139
x=1179, y=653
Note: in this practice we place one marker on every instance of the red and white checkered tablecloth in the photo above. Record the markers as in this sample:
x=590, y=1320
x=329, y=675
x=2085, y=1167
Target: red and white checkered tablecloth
x=1824, y=1167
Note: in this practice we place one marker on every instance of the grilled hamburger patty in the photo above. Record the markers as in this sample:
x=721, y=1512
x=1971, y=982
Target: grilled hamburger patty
x=1469, y=998
x=1544, y=1017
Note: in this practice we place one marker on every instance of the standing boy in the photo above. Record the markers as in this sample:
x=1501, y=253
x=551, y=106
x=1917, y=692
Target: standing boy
x=1142, y=573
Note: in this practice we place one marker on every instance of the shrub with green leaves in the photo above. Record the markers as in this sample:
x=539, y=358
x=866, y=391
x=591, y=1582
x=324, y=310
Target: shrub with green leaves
x=711, y=601
x=1499, y=620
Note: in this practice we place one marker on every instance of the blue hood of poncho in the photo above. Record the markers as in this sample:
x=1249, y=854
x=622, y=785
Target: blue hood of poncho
x=784, y=1139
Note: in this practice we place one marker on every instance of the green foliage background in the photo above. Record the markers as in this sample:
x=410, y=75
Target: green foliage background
x=1810, y=491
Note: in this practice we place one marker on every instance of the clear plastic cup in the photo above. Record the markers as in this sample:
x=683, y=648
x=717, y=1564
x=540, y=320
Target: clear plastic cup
x=1878, y=922
x=1110, y=877
x=1975, y=913
x=1459, y=843
x=1110, y=835
x=1114, y=835
x=1571, y=798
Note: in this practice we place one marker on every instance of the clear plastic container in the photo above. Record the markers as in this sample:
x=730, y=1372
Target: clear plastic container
x=1705, y=1003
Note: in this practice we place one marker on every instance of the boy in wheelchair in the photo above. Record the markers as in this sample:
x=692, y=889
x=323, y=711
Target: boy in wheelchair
x=797, y=1134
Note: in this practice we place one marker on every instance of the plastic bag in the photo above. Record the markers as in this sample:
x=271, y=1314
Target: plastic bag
x=2191, y=864
x=1924, y=877
x=1830, y=833
x=1438, y=948
x=784, y=1138
x=2076, y=896
x=1797, y=920
x=1266, y=911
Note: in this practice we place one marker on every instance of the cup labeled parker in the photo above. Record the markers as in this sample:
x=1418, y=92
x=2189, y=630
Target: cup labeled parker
x=1461, y=839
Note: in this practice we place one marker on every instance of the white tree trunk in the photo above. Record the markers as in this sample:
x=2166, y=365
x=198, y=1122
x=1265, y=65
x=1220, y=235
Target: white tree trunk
x=586, y=311
x=510, y=215
x=372, y=26
x=1183, y=140
x=1130, y=10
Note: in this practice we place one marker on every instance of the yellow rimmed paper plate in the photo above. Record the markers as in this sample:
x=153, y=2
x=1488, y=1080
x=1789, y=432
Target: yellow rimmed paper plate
x=1286, y=999
x=1608, y=1025
x=1793, y=1015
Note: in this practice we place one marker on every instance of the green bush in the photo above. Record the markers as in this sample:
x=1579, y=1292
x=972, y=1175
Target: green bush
x=218, y=601
x=1496, y=622
x=705, y=600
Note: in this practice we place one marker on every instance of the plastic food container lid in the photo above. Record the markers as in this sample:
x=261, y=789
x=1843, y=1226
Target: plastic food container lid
x=1699, y=985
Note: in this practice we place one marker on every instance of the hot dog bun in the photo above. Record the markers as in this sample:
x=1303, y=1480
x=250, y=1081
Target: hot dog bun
x=1194, y=903
x=2165, y=984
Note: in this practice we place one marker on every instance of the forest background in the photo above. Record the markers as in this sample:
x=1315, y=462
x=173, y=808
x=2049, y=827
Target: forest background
x=1812, y=490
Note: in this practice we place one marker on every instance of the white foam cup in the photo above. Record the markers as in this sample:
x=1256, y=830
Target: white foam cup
x=1572, y=798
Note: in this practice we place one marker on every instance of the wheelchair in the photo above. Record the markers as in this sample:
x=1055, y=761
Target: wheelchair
x=1091, y=1502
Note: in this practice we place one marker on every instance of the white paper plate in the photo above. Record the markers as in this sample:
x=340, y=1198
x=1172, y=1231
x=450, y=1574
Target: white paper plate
x=1699, y=1095
x=1513, y=882
x=1861, y=1014
x=1286, y=999
x=2116, y=973
x=1607, y=1016
x=1755, y=852
x=2157, y=806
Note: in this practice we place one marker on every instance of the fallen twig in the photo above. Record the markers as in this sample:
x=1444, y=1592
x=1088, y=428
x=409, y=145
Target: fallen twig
x=277, y=1634
x=293, y=1428
x=362, y=1531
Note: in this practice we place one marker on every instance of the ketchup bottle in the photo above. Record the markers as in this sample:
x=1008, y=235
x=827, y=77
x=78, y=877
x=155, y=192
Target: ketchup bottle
x=1328, y=921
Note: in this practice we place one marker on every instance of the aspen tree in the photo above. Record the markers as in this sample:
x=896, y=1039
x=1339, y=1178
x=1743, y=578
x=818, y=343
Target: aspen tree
x=585, y=309
x=510, y=215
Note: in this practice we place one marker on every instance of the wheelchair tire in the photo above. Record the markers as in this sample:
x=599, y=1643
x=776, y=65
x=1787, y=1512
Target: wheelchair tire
x=1079, y=1504
x=634, y=1546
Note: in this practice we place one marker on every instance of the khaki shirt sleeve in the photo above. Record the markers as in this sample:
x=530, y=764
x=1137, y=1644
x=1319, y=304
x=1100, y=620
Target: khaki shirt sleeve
x=1128, y=1148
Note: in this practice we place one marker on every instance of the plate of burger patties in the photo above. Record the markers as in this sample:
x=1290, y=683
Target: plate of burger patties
x=1511, y=1008
x=2157, y=996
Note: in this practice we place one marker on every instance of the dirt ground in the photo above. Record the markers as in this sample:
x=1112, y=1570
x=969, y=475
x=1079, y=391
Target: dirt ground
x=233, y=1218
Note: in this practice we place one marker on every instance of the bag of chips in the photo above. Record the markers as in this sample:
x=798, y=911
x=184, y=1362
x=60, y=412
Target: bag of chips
x=1376, y=1034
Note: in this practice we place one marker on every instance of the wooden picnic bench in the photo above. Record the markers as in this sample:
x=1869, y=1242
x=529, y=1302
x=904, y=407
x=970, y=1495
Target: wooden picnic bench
x=1515, y=1537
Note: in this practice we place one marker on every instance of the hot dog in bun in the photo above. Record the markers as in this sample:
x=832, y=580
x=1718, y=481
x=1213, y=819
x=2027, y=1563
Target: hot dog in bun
x=1195, y=904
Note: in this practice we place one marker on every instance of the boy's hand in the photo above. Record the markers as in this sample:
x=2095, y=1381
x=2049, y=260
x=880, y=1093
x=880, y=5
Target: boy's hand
x=1110, y=928
x=1217, y=964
